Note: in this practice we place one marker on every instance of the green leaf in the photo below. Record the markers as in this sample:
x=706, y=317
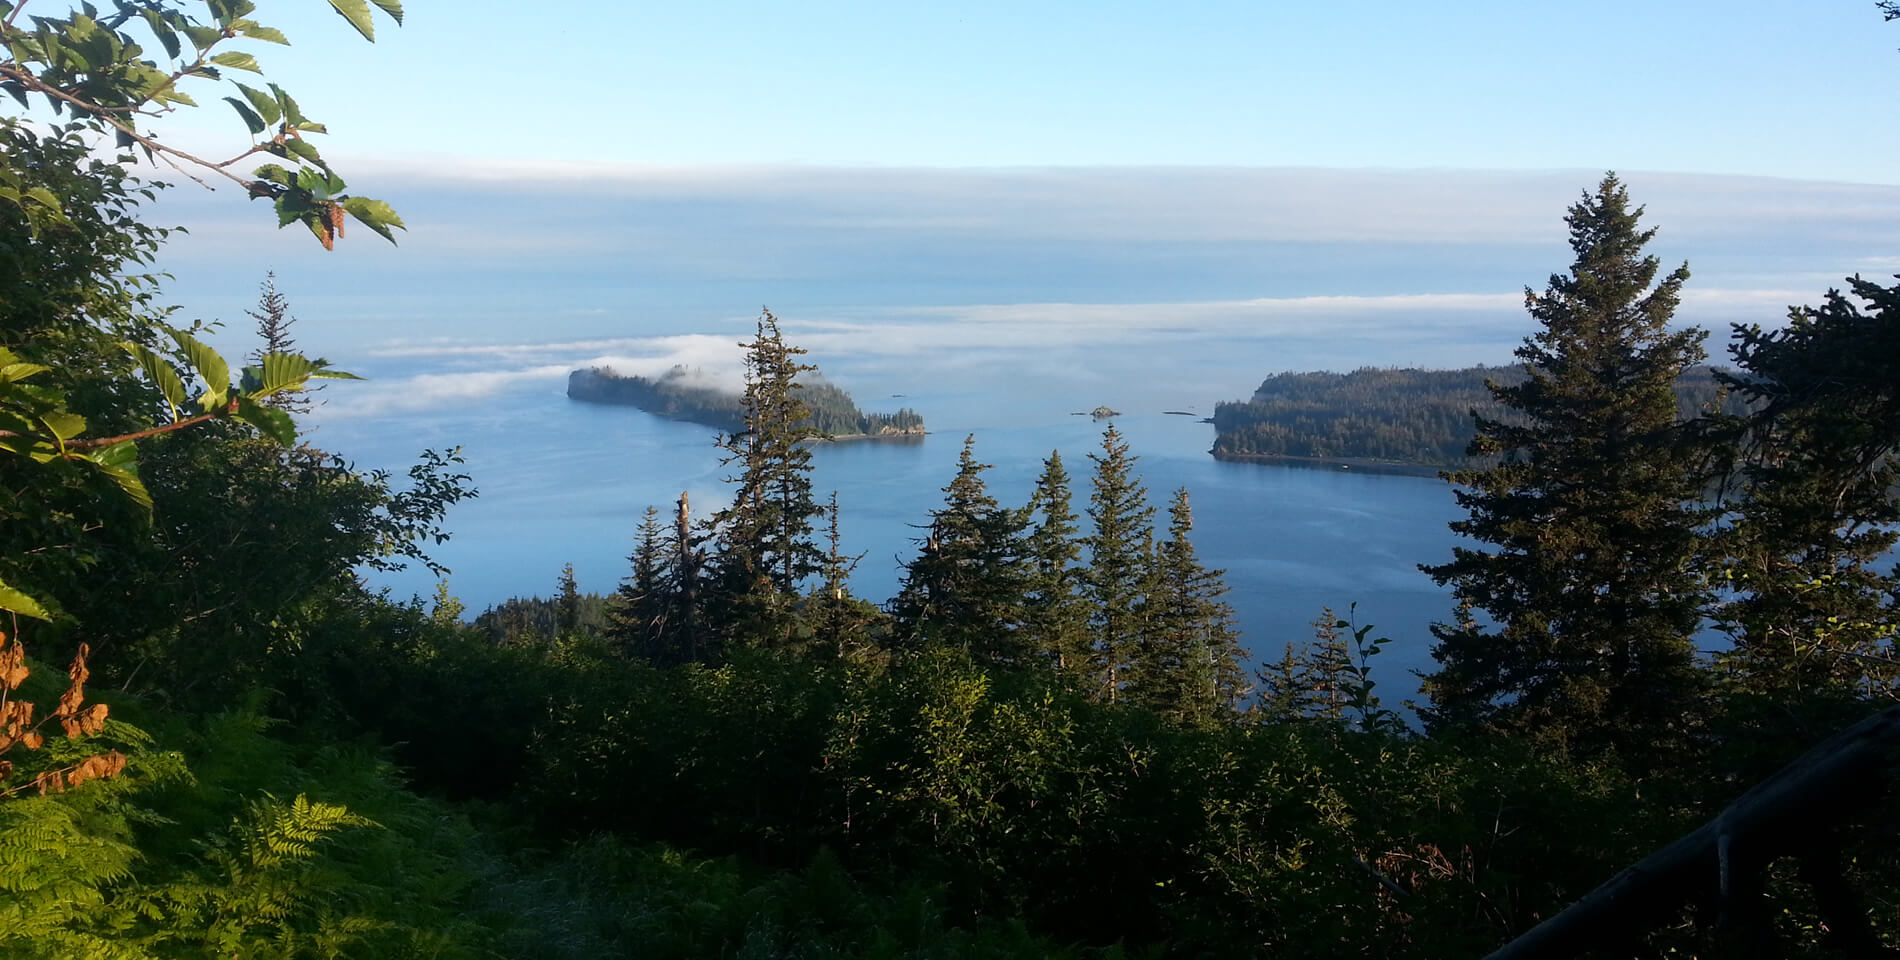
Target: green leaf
x=257, y=31
x=251, y=119
x=375, y=215
x=161, y=374
x=328, y=374
x=25, y=49
x=44, y=197
x=237, y=61
x=120, y=463
x=211, y=367
x=265, y=105
x=122, y=454
x=202, y=38
x=391, y=7
x=302, y=150
x=63, y=425
x=283, y=371
x=163, y=31
x=269, y=421
x=98, y=48
x=292, y=115
x=11, y=372
x=275, y=174
x=357, y=13
x=13, y=601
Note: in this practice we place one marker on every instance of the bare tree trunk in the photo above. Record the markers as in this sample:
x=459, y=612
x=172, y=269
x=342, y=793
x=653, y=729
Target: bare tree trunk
x=689, y=582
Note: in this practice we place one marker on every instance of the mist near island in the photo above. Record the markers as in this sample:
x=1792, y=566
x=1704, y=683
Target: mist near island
x=997, y=303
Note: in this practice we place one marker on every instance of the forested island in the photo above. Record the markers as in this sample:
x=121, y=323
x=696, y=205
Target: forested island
x=1407, y=418
x=685, y=394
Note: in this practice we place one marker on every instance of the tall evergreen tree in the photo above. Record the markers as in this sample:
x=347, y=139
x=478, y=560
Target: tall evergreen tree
x=967, y=584
x=765, y=549
x=273, y=333
x=1055, y=616
x=1311, y=681
x=1590, y=585
x=637, y=615
x=1816, y=511
x=840, y=621
x=1123, y=534
x=567, y=603
x=1187, y=663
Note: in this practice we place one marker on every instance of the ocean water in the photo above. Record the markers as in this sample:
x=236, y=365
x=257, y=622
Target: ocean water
x=565, y=482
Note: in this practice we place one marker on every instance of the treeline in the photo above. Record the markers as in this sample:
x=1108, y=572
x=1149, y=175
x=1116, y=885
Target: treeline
x=1402, y=416
x=678, y=394
x=1141, y=621
x=682, y=394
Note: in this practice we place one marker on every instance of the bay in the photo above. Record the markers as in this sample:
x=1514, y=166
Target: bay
x=565, y=482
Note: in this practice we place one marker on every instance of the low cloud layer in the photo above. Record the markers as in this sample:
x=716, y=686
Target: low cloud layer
x=1257, y=336
x=508, y=277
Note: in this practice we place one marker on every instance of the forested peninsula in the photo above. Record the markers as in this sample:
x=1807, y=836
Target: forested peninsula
x=685, y=394
x=1407, y=419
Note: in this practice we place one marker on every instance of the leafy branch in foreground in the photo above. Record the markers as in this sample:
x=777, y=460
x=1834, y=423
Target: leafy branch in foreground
x=89, y=65
x=36, y=424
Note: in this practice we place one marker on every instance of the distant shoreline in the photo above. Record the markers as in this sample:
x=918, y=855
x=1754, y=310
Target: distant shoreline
x=850, y=437
x=1390, y=467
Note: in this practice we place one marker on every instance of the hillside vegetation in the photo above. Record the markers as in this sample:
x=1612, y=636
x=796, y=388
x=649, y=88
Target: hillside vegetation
x=1399, y=416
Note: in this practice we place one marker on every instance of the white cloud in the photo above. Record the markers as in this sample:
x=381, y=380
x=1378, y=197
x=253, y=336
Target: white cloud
x=715, y=359
x=1479, y=327
x=428, y=391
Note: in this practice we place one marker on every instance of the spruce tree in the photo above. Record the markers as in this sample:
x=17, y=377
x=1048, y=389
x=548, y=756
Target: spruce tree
x=840, y=621
x=1589, y=581
x=273, y=333
x=567, y=603
x=1187, y=663
x=1811, y=611
x=1328, y=667
x=1123, y=534
x=1055, y=615
x=765, y=549
x=638, y=614
x=1311, y=680
x=967, y=584
x=1285, y=694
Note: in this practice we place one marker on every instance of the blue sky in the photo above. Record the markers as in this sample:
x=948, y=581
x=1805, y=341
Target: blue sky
x=1801, y=90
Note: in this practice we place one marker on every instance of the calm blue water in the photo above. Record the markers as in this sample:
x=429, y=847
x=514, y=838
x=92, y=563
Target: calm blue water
x=566, y=482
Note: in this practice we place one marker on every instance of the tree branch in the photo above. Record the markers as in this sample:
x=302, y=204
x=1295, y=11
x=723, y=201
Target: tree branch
x=34, y=84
